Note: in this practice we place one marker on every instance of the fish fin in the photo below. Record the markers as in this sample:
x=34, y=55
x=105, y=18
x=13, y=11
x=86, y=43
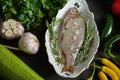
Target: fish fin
x=68, y=68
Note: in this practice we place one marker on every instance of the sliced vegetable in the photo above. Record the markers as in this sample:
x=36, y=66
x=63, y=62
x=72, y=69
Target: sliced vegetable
x=109, y=44
x=11, y=29
x=111, y=66
x=13, y=68
x=102, y=75
x=108, y=27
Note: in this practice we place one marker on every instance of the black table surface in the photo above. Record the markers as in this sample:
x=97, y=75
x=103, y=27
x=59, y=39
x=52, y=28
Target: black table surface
x=39, y=62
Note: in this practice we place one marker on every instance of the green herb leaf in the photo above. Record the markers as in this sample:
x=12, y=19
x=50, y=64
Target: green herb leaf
x=31, y=13
x=86, y=44
x=54, y=40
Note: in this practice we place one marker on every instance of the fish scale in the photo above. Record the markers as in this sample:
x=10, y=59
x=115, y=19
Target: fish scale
x=72, y=32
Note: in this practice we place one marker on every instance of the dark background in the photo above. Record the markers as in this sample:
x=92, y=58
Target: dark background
x=39, y=62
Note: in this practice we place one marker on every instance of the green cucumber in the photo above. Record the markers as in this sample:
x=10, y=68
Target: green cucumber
x=13, y=68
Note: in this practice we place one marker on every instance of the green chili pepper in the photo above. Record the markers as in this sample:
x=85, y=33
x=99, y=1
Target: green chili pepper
x=116, y=59
x=108, y=27
x=93, y=73
x=108, y=45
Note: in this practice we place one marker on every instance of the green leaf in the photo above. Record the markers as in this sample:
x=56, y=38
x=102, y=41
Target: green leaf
x=54, y=40
x=83, y=50
x=13, y=10
x=46, y=4
x=9, y=2
x=30, y=11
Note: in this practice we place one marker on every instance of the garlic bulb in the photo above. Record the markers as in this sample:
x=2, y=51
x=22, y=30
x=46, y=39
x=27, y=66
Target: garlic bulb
x=12, y=29
x=29, y=43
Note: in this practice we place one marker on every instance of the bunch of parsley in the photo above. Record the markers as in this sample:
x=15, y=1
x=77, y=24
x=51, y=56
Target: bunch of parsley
x=31, y=13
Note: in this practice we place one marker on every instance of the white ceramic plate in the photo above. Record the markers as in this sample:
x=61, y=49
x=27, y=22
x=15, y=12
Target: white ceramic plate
x=87, y=15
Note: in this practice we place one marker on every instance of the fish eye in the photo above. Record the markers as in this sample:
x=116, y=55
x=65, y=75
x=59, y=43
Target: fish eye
x=77, y=5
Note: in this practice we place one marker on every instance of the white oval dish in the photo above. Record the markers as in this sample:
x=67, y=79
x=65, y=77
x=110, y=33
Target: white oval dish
x=87, y=15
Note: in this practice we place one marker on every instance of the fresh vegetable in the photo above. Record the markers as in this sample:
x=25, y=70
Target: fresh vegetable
x=119, y=43
x=102, y=75
x=115, y=58
x=11, y=29
x=13, y=68
x=116, y=7
x=54, y=44
x=110, y=72
x=86, y=44
x=108, y=47
x=91, y=77
x=109, y=44
x=28, y=43
x=31, y=13
x=111, y=66
x=108, y=27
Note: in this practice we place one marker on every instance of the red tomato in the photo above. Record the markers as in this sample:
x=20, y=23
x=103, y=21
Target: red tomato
x=119, y=43
x=116, y=7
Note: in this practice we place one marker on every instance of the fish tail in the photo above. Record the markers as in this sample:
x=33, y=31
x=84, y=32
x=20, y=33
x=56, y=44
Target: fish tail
x=68, y=68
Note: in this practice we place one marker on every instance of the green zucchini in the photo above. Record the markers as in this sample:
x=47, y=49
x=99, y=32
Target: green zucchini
x=13, y=68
